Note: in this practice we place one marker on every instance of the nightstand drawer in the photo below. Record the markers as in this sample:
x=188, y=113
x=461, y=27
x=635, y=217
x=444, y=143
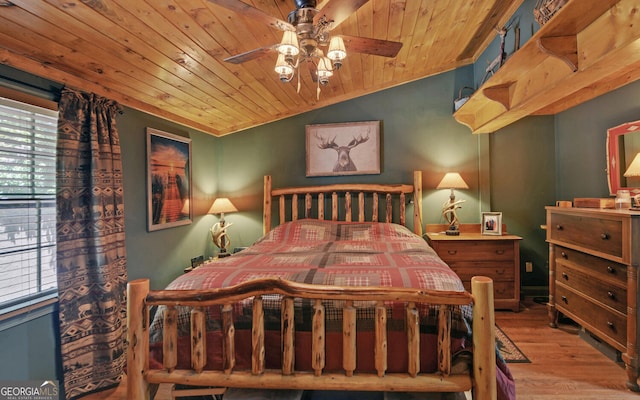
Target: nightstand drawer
x=498, y=271
x=596, y=318
x=472, y=250
x=593, y=233
x=604, y=269
x=604, y=292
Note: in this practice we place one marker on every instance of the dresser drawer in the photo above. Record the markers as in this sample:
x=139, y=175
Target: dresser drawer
x=474, y=250
x=599, y=234
x=602, y=322
x=603, y=269
x=497, y=270
x=604, y=292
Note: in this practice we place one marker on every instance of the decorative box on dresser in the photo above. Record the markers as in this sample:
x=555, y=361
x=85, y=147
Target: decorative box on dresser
x=593, y=275
x=471, y=253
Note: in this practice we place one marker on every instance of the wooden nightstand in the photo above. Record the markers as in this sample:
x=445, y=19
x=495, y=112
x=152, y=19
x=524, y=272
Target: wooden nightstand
x=472, y=253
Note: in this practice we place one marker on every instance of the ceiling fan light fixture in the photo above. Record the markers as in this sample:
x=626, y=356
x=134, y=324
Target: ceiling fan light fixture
x=289, y=44
x=325, y=70
x=337, y=51
x=306, y=31
x=283, y=68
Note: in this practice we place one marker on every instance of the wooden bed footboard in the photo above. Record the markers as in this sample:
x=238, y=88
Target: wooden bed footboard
x=140, y=377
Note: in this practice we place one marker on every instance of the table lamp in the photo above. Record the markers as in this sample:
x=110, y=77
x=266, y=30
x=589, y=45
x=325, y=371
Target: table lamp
x=452, y=180
x=634, y=171
x=219, y=230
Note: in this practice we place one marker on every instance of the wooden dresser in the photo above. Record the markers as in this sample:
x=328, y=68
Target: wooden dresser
x=593, y=275
x=471, y=253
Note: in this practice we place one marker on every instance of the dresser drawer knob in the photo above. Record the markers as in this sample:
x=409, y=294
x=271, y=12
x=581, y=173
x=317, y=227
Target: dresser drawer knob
x=611, y=295
x=565, y=276
x=565, y=300
x=559, y=227
x=604, y=236
x=611, y=270
x=500, y=252
x=611, y=325
x=564, y=255
x=452, y=252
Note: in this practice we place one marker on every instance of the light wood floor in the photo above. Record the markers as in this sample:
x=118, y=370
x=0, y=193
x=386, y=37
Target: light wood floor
x=563, y=366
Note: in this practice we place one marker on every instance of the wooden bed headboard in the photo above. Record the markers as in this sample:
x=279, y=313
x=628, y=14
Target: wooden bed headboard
x=344, y=193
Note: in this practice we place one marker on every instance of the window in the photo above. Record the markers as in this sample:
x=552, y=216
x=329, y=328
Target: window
x=27, y=204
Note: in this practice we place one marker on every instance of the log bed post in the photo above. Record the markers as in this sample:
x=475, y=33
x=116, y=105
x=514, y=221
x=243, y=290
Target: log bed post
x=138, y=338
x=266, y=206
x=417, y=202
x=484, y=339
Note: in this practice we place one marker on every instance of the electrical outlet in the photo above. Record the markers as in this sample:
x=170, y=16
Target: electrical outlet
x=528, y=266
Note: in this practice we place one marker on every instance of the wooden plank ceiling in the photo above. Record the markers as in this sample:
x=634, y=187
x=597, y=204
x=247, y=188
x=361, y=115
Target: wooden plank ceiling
x=165, y=57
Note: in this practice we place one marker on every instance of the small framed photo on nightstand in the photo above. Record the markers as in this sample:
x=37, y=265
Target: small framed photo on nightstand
x=492, y=223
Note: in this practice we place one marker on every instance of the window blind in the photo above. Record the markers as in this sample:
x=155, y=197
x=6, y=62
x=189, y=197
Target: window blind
x=27, y=204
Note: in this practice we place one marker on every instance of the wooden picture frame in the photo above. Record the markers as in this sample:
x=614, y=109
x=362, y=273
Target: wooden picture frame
x=351, y=148
x=168, y=180
x=491, y=223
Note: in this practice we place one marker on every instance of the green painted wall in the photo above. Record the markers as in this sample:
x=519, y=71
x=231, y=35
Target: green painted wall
x=522, y=184
x=581, y=133
x=30, y=350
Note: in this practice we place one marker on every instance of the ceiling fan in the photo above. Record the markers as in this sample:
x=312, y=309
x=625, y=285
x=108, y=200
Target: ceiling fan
x=305, y=33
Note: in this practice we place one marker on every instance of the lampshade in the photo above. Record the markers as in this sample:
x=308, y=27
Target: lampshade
x=222, y=205
x=452, y=180
x=283, y=68
x=337, y=51
x=289, y=44
x=324, y=69
x=634, y=168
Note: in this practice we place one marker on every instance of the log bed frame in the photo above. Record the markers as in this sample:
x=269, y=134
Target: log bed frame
x=481, y=379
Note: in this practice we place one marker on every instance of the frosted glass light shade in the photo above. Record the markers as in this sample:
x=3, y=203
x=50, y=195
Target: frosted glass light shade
x=324, y=68
x=289, y=44
x=282, y=66
x=337, y=50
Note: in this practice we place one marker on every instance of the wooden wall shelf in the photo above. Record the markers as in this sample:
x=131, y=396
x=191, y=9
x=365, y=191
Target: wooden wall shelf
x=590, y=47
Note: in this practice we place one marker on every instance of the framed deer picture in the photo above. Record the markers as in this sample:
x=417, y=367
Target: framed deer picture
x=351, y=148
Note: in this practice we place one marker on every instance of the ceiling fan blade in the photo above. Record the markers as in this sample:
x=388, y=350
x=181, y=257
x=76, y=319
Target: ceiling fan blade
x=247, y=10
x=376, y=47
x=250, y=55
x=338, y=10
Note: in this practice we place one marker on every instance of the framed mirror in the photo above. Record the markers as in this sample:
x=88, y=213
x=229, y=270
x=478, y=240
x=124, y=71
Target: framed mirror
x=623, y=143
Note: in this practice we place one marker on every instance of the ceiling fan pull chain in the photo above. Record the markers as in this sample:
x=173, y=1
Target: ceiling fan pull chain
x=298, y=91
x=318, y=91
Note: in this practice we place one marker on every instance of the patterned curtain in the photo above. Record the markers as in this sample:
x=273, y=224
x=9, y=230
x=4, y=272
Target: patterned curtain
x=91, y=255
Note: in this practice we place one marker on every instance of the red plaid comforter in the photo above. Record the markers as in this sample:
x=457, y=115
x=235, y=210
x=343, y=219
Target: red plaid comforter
x=328, y=253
